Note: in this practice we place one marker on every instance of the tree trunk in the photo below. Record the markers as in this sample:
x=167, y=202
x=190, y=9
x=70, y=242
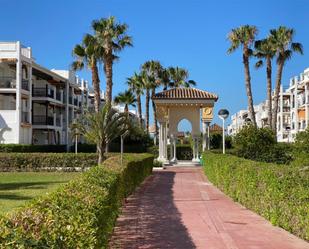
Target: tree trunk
x=126, y=109
x=96, y=87
x=147, y=110
x=153, y=92
x=108, y=68
x=276, y=97
x=100, y=149
x=139, y=109
x=248, y=85
x=269, y=89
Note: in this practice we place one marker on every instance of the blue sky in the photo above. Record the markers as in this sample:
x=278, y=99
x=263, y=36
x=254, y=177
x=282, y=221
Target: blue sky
x=190, y=34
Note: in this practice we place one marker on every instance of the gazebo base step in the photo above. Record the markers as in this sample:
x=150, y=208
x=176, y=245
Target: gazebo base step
x=183, y=163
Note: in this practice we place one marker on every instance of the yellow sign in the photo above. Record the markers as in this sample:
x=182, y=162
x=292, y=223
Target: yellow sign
x=207, y=114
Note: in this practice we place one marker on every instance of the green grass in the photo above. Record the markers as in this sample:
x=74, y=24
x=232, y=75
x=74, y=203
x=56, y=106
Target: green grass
x=16, y=188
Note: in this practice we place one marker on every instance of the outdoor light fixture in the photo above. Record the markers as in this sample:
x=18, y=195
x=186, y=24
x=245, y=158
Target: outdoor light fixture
x=223, y=114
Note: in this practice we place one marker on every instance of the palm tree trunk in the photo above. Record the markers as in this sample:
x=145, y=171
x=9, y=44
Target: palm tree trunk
x=248, y=85
x=139, y=109
x=108, y=68
x=147, y=110
x=96, y=87
x=126, y=109
x=269, y=89
x=276, y=98
x=153, y=93
x=101, y=150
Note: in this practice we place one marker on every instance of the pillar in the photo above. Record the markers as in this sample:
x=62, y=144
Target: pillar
x=174, y=142
x=306, y=105
x=205, y=135
x=18, y=93
x=162, y=143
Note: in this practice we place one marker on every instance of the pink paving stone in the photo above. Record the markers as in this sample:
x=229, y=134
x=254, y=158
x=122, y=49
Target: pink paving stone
x=179, y=208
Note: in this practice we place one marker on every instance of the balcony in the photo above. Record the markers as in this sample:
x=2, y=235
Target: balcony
x=24, y=117
x=75, y=102
x=58, y=121
x=42, y=92
x=42, y=120
x=70, y=100
x=58, y=96
x=25, y=85
x=7, y=82
x=286, y=109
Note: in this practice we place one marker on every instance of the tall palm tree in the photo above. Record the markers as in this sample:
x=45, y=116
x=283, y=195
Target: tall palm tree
x=265, y=50
x=113, y=38
x=179, y=77
x=127, y=98
x=136, y=86
x=87, y=54
x=283, y=40
x=152, y=69
x=244, y=36
x=165, y=78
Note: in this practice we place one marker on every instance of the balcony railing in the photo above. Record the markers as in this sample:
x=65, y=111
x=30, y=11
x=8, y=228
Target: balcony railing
x=58, y=96
x=75, y=102
x=25, y=85
x=7, y=82
x=58, y=121
x=24, y=117
x=42, y=92
x=286, y=109
x=70, y=100
x=43, y=120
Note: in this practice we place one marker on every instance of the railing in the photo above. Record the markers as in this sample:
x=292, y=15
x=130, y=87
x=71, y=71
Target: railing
x=58, y=96
x=286, y=109
x=70, y=100
x=25, y=85
x=42, y=92
x=58, y=121
x=24, y=117
x=75, y=102
x=7, y=82
x=42, y=120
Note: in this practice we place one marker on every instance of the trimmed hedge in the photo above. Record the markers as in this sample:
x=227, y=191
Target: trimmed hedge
x=46, y=161
x=32, y=148
x=183, y=151
x=80, y=214
x=277, y=192
x=113, y=147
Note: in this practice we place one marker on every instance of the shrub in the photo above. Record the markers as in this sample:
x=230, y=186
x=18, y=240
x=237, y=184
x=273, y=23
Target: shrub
x=216, y=141
x=259, y=144
x=46, y=161
x=32, y=148
x=302, y=141
x=277, y=192
x=80, y=214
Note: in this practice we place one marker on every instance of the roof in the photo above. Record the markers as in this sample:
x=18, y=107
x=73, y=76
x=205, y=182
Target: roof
x=151, y=129
x=185, y=93
x=215, y=128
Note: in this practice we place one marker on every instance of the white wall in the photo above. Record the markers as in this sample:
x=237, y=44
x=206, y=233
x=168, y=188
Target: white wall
x=8, y=126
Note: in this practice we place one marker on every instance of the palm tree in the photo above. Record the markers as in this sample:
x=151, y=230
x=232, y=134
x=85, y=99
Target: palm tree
x=112, y=38
x=244, y=36
x=127, y=98
x=179, y=77
x=165, y=78
x=282, y=37
x=102, y=127
x=152, y=69
x=265, y=50
x=87, y=54
x=136, y=86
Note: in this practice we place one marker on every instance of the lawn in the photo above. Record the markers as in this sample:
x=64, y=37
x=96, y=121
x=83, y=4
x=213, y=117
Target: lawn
x=16, y=188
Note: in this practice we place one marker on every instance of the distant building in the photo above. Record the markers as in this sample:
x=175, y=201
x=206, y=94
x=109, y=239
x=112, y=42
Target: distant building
x=215, y=128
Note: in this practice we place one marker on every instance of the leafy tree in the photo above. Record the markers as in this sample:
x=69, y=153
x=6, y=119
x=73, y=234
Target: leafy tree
x=87, y=54
x=136, y=86
x=265, y=50
x=302, y=141
x=244, y=37
x=127, y=98
x=103, y=127
x=112, y=38
x=179, y=77
x=282, y=37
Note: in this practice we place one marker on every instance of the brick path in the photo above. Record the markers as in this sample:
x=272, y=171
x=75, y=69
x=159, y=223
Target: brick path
x=177, y=208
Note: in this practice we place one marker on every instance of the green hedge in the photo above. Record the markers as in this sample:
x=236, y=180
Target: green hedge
x=277, y=192
x=183, y=151
x=80, y=214
x=113, y=147
x=32, y=148
x=46, y=161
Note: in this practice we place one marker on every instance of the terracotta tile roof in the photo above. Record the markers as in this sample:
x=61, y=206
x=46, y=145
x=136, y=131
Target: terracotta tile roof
x=185, y=93
x=215, y=128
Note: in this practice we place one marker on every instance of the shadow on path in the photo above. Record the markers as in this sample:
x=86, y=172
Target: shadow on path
x=150, y=218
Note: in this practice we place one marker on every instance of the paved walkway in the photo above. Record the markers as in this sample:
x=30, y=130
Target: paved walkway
x=177, y=208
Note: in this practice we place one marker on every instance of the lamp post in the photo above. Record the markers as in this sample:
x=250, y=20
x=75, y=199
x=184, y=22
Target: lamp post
x=288, y=128
x=223, y=114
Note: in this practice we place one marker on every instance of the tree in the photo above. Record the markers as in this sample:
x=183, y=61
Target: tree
x=165, y=79
x=265, y=50
x=179, y=77
x=87, y=54
x=244, y=36
x=112, y=38
x=282, y=37
x=136, y=86
x=103, y=127
x=152, y=69
x=127, y=98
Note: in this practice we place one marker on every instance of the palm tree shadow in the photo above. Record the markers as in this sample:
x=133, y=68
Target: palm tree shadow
x=15, y=197
x=27, y=185
x=3, y=128
x=151, y=219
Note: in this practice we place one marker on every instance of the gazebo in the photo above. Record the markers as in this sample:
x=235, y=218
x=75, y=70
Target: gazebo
x=176, y=104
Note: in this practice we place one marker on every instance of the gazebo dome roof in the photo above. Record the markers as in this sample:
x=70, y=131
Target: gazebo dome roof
x=185, y=93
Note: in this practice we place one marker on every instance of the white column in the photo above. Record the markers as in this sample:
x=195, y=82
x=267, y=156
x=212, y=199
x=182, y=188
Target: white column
x=174, y=158
x=208, y=137
x=165, y=141
x=306, y=105
x=204, y=127
x=197, y=148
x=161, y=142
x=30, y=99
x=281, y=110
x=193, y=138
x=296, y=108
x=18, y=92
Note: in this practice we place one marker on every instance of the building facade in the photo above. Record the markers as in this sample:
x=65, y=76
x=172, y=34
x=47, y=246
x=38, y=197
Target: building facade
x=37, y=105
x=292, y=114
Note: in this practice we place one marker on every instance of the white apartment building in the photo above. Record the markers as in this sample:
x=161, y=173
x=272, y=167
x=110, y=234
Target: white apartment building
x=292, y=115
x=37, y=105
